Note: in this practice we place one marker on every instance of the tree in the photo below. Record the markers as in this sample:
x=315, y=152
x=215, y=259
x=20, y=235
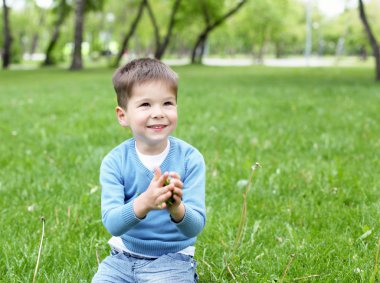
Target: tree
x=62, y=10
x=82, y=7
x=76, y=63
x=36, y=36
x=161, y=45
x=210, y=25
x=274, y=30
x=130, y=33
x=372, y=39
x=6, y=56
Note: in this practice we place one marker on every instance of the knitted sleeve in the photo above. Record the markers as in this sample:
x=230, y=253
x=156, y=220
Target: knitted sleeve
x=194, y=196
x=118, y=217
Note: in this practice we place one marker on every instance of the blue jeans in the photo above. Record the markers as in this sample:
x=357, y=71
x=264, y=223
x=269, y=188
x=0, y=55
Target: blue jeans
x=123, y=267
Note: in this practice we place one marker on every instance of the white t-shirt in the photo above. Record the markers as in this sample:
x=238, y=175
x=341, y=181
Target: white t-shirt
x=152, y=161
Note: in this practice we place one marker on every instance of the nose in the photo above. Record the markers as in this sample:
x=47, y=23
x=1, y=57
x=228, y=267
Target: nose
x=157, y=112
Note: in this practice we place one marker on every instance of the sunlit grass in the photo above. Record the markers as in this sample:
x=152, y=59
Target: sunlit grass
x=314, y=131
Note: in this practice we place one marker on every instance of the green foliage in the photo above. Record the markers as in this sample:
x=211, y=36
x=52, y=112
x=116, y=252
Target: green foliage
x=277, y=27
x=314, y=131
x=94, y=5
x=259, y=28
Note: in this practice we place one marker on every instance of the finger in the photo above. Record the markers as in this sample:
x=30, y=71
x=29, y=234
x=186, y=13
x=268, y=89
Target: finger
x=177, y=183
x=177, y=192
x=174, y=175
x=157, y=173
x=164, y=197
x=177, y=199
x=169, y=187
x=162, y=178
x=162, y=205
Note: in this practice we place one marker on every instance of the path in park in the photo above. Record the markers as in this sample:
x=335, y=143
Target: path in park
x=286, y=62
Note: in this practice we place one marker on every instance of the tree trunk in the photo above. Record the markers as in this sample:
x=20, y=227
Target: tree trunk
x=154, y=23
x=36, y=36
x=6, y=56
x=198, y=49
x=260, y=53
x=76, y=63
x=372, y=39
x=278, y=50
x=63, y=12
x=309, y=31
x=162, y=45
x=363, y=53
x=160, y=50
x=130, y=33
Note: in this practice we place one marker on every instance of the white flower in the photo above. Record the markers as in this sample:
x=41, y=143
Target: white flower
x=255, y=166
x=31, y=207
x=242, y=183
x=358, y=270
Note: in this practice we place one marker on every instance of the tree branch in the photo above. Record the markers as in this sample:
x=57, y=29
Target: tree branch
x=130, y=33
x=371, y=37
x=227, y=15
x=198, y=49
x=162, y=47
x=154, y=23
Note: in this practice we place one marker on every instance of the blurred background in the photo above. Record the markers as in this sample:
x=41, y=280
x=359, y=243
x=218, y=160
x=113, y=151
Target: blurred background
x=314, y=129
x=84, y=33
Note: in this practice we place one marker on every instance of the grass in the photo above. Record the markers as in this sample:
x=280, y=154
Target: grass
x=313, y=210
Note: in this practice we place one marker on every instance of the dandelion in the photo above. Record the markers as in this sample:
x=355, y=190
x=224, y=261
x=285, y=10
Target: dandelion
x=254, y=141
x=31, y=207
x=257, y=165
x=358, y=270
x=242, y=183
x=243, y=218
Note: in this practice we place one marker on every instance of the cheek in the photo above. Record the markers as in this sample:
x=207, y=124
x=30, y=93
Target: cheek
x=141, y=120
x=174, y=117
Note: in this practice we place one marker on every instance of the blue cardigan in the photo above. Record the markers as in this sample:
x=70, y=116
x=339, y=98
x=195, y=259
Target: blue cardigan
x=123, y=177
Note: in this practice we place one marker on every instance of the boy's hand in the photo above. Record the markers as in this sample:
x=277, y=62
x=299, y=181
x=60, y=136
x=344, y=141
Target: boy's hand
x=176, y=208
x=155, y=196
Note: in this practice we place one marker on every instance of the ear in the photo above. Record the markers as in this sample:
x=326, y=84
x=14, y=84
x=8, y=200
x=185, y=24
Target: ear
x=122, y=117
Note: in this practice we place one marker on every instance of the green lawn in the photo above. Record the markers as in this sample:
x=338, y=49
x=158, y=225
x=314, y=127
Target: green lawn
x=316, y=133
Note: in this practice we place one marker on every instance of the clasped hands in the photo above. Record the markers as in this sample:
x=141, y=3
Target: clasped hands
x=157, y=195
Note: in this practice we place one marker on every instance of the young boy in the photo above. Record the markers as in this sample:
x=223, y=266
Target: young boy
x=153, y=185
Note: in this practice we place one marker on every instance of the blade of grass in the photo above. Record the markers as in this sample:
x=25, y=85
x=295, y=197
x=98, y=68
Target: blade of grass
x=287, y=267
x=40, y=249
x=242, y=223
x=376, y=267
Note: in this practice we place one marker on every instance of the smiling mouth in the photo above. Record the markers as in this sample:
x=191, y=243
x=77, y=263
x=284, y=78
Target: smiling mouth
x=157, y=127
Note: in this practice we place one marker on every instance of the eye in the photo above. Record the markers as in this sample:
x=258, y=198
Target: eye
x=145, y=104
x=169, y=103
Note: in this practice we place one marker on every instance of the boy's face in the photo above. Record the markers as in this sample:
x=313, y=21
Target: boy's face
x=151, y=114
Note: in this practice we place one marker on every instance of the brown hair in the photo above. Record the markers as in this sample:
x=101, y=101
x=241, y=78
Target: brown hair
x=140, y=71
